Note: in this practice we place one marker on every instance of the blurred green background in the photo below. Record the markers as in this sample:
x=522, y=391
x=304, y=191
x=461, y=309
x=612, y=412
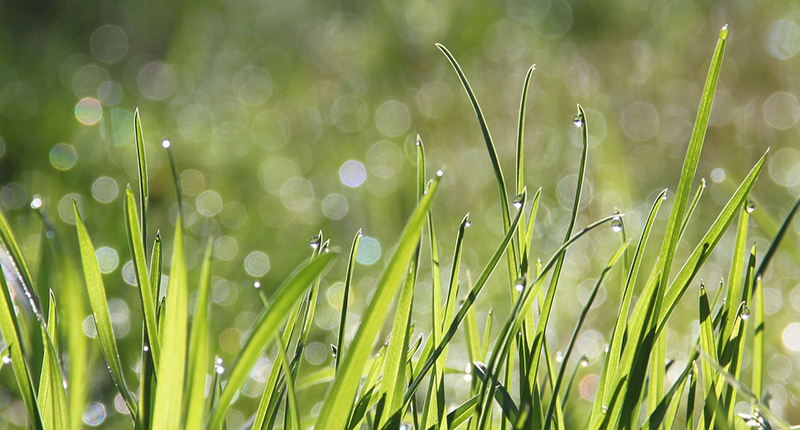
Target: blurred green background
x=291, y=117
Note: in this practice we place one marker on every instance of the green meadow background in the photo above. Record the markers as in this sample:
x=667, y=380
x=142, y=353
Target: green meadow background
x=288, y=117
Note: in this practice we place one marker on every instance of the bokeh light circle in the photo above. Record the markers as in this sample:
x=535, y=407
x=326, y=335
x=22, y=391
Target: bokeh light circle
x=791, y=336
x=107, y=259
x=784, y=167
x=392, y=118
x=226, y=248
x=209, y=203
x=334, y=206
x=781, y=110
x=89, y=111
x=369, y=251
x=783, y=39
x=640, y=121
x=349, y=113
x=109, y=43
x=105, y=189
x=157, y=80
x=94, y=414
x=256, y=264
x=63, y=156
x=385, y=159
x=297, y=193
x=353, y=173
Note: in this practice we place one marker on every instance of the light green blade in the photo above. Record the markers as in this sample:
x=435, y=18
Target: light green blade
x=199, y=356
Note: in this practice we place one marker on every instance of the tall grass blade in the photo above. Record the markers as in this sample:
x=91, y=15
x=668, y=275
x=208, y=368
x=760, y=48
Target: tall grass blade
x=171, y=374
x=348, y=281
x=16, y=271
x=144, y=187
x=199, y=355
x=758, y=341
x=52, y=396
x=773, y=246
x=341, y=394
x=285, y=299
x=142, y=277
x=99, y=304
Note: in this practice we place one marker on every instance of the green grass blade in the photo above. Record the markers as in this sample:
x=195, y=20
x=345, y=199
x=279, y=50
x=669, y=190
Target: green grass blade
x=341, y=394
x=708, y=243
x=609, y=378
x=148, y=301
x=502, y=397
x=291, y=406
x=14, y=262
x=199, y=355
x=578, y=326
x=520, y=172
x=99, y=304
x=285, y=299
x=758, y=341
x=144, y=187
x=52, y=395
x=729, y=306
x=697, y=195
x=773, y=246
x=348, y=281
x=708, y=347
x=487, y=137
x=171, y=373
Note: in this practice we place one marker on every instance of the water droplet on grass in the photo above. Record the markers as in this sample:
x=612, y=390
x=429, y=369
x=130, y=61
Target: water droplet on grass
x=744, y=313
x=145, y=348
x=333, y=350
x=578, y=120
x=751, y=206
x=316, y=240
x=166, y=143
x=616, y=224
x=36, y=203
x=517, y=202
x=559, y=357
x=256, y=285
x=519, y=285
x=6, y=359
x=584, y=362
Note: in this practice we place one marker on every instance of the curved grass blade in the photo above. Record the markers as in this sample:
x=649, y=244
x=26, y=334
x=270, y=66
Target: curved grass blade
x=199, y=356
x=578, y=326
x=348, y=280
x=341, y=394
x=173, y=164
x=15, y=269
x=99, y=304
x=171, y=373
x=487, y=137
x=291, y=410
x=286, y=297
x=140, y=269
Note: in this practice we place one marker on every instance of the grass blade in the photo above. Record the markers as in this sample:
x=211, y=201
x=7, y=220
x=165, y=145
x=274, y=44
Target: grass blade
x=144, y=188
x=341, y=394
x=99, y=304
x=199, y=356
x=348, y=281
x=140, y=269
x=52, y=395
x=285, y=299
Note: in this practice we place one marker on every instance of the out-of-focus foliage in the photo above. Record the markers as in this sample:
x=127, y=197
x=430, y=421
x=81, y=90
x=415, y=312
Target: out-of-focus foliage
x=290, y=117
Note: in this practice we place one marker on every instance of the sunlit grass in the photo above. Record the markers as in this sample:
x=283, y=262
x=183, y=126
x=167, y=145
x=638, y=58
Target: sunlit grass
x=516, y=383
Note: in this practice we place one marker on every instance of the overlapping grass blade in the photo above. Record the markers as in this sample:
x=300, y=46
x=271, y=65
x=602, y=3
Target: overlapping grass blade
x=348, y=281
x=285, y=298
x=171, y=374
x=341, y=394
x=99, y=304
x=776, y=241
x=52, y=396
x=199, y=356
x=14, y=263
x=148, y=301
x=144, y=187
x=758, y=341
x=487, y=137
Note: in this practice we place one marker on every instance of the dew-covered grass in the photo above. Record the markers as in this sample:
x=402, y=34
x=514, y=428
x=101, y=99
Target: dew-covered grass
x=452, y=369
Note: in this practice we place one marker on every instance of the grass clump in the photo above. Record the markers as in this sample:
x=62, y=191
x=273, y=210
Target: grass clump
x=516, y=382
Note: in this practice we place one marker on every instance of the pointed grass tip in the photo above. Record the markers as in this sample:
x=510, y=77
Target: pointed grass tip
x=723, y=33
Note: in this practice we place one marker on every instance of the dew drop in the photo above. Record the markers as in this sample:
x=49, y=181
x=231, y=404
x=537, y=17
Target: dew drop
x=751, y=206
x=218, y=367
x=316, y=240
x=6, y=359
x=578, y=120
x=440, y=173
x=584, y=362
x=166, y=143
x=517, y=202
x=616, y=224
x=333, y=350
x=744, y=313
x=36, y=203
x=519, y=285
x=723, y=33
x=605, y=409
x=145, y=348
x=256, y=285
x=703, y=183
x=559, y=357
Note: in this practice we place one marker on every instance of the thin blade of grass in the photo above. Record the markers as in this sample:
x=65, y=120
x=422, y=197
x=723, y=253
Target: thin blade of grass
x=285, y=298
x=140, y=270
x=144, y=187
x=490, y=147
x=291, y=406
x=773, y=246
x=708, y=347
x=16, y=270
x=52, y=395
x=341, y=394
x=758, y=341
x=99, y=304
x=199, y=355
x=348, y=281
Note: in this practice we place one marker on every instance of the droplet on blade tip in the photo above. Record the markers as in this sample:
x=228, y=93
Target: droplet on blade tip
x=166, y=143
